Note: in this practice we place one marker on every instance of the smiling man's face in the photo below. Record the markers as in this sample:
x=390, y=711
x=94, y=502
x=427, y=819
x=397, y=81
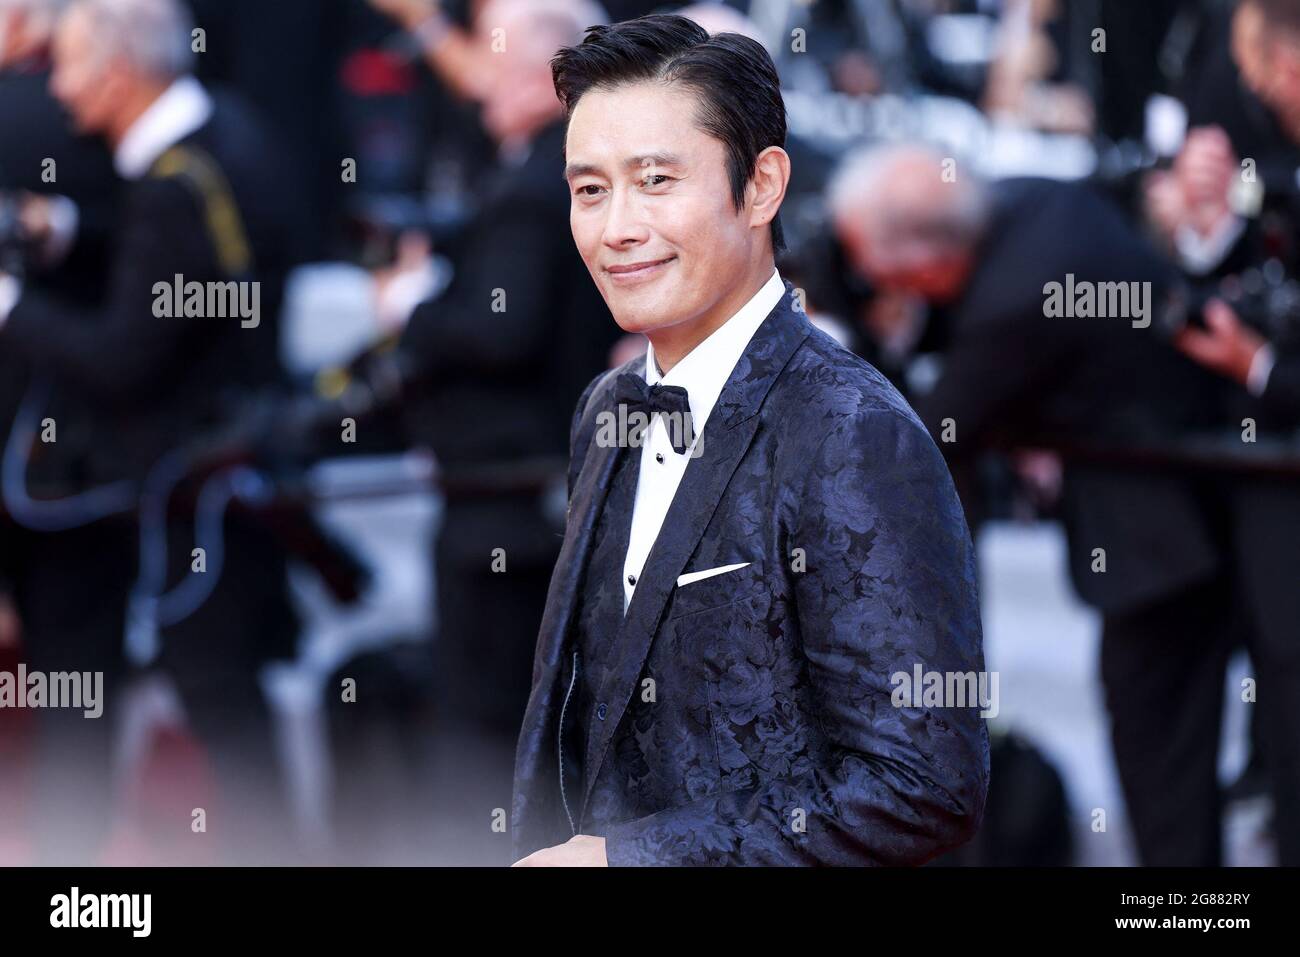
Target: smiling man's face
x=651, y=209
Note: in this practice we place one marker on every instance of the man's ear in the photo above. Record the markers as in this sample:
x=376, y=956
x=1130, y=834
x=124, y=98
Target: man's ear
x=767, y=186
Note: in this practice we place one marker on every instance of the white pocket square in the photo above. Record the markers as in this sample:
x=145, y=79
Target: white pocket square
x=707, y=573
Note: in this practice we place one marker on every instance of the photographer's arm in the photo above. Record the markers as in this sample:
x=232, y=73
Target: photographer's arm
x=115, y=352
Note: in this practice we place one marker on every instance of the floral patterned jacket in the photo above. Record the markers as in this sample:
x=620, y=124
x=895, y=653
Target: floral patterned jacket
x=773, y=734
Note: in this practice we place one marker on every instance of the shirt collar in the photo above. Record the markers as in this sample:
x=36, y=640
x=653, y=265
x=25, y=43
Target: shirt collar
x=705, y=369
x=179, y=111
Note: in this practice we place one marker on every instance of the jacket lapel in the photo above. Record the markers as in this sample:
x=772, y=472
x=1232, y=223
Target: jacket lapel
x=727, y=435
x=536, y=750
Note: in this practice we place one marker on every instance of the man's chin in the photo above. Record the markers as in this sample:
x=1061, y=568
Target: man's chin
x=642, y=322
x=643, y=315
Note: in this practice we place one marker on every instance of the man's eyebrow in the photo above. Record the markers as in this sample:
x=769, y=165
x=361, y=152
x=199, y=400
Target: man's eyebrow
x=578, y=169
x=634, y=162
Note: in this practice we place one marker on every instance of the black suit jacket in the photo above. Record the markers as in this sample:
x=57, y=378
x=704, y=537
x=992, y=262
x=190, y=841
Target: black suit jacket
x=773, y=736
x=144, y=384
x=33, y=129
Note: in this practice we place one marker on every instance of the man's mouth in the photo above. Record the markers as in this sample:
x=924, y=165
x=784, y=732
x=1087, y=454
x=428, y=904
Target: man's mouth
x=637, y=272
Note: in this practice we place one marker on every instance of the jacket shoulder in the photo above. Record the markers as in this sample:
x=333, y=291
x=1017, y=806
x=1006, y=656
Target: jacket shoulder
x=597, y=390
x=581, y=429
x=825, y=382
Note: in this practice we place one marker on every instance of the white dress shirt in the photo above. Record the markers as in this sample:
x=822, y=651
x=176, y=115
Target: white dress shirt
x=183, y=108
x=702, y=372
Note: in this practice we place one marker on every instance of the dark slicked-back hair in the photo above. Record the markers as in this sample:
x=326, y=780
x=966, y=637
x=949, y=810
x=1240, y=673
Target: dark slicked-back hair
x=732, y=76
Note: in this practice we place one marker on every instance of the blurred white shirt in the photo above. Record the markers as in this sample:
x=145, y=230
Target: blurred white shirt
x=183, y=108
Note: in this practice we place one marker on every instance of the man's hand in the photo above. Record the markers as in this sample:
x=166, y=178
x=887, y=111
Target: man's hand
x=48, y=224
x=403, y=285
x=581, y=851
x=1225, y=345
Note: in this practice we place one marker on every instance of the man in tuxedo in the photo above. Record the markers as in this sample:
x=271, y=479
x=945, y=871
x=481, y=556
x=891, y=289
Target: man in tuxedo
x=205, y=202
x=743, y=580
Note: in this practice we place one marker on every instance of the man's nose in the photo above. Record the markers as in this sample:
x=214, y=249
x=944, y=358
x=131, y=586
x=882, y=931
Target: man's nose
x=624, y=223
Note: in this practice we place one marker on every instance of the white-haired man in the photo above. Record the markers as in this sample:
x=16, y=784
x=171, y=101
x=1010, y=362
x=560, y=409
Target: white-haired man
x=62, y=187
x=204, y=203
x=52, y=174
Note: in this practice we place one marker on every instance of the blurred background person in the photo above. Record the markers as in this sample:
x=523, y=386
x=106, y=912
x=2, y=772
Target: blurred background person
x=57, y=190
x=205, y=201
x=43, y=161
x=1255, y=343
x=502, y=356
x=1189, y=586
x=1015, y=376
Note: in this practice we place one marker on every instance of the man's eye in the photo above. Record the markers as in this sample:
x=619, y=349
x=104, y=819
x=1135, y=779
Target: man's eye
x=583, y=190
x=654, y=179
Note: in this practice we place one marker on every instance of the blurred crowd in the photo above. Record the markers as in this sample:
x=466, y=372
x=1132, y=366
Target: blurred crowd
x=1065, y=229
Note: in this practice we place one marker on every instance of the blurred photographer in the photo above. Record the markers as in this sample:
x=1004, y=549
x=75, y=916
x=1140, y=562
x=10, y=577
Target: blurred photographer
x=56, y=186
x=1254, y=342
x=205, y=202
x=1266, y=49
x=56, y=194
x=1108, y=393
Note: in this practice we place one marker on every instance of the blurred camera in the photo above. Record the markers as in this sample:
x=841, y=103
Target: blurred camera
x=1263, y=297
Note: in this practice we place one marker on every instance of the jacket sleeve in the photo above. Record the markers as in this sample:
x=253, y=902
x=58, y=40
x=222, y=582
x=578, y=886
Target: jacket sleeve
x=115, y=353
x=889, y=585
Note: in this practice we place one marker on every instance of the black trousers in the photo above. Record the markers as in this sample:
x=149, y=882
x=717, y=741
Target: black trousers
x=483, y=659
x=214, y=658
x=1164, y=668
x=71, y=590
x=488, y=618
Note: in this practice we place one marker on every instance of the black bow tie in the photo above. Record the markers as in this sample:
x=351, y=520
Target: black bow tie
x=633, y=391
